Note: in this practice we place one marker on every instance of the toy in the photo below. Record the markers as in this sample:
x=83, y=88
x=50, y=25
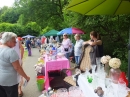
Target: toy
x=38, y=68
x=99, y=91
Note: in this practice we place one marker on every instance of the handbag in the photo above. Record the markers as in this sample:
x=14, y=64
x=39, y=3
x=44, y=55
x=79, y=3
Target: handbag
x=66, y=49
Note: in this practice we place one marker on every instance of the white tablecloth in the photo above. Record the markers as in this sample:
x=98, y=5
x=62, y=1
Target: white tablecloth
x=84, y=86
x=87, y=88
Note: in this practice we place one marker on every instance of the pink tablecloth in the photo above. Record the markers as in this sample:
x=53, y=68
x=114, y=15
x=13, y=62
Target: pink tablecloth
x=59, y=64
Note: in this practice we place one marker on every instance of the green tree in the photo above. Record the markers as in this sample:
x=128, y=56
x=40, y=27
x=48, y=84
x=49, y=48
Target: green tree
x=113, y=30
x=10, y=16
x=8, y=27
x=32, y=28
x=44, y=12
x=46, y=29
x=21, y=20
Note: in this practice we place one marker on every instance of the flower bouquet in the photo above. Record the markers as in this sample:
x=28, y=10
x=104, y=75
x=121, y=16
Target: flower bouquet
x=115, y=72
x=115, y=63
x=105, y=61
x=41, y=60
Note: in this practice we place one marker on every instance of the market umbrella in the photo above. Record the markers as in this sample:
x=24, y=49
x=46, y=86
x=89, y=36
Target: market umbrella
x=71, y=31
x=100, y=7
x=51, y=33
x=28, y=36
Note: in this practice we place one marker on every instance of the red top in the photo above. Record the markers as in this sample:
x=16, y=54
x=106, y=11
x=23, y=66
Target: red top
x=19, y=38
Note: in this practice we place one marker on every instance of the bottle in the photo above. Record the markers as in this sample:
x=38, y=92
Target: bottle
x=50, y=93
x=55, y=54
x=53, y=50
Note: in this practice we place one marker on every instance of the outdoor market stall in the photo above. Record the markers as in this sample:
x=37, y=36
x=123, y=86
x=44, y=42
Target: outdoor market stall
x=51, y=33
x=101, y=7
x=55, y=64
x=109, y=89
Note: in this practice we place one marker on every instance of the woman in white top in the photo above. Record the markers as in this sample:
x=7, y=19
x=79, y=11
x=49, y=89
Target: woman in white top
x=66, y=45
x=20, y=51
x=51, y=39
x=78, y=48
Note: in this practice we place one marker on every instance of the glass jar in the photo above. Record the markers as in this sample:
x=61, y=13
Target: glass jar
x=114, y=75
x=106, y=68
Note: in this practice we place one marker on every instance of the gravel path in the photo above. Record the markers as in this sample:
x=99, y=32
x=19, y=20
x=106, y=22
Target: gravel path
x=31, y=89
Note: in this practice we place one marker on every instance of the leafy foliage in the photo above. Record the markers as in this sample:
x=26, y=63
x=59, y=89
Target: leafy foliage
x=10, y=16
x=37, y=17
x=45, y=30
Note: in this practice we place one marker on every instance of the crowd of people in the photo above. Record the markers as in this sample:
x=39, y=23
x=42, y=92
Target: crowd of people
x=73, y=51
x=77, y=50
x=11, y=55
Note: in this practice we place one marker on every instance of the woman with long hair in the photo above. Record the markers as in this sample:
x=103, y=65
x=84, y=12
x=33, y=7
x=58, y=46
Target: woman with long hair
x=96, y=41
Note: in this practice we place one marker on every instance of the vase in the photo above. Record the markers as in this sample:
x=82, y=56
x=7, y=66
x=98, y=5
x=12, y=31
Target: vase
x=106, y=69
x=114, y=75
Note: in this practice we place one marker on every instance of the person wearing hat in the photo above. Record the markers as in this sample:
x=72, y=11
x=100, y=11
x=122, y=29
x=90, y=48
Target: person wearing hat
x=66, y=45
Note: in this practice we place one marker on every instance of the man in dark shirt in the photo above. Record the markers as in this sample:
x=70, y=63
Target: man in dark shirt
x=28, y=45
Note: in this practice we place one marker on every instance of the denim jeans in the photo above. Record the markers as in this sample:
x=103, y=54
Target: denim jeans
x=67, y=55
x=77, y=59
x=29, y=51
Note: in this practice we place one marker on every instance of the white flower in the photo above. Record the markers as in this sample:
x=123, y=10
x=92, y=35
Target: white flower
x=39, y=59
x=108, y=57
x=40, y=64
x=114, y=63
x=105, y=59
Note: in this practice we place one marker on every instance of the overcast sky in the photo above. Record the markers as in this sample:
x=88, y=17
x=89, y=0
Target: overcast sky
x=6, y=3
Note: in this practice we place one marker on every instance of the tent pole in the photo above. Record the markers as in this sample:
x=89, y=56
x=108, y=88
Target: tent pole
x=129, y=60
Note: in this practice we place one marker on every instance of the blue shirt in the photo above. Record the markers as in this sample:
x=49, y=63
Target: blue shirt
x=28, y=42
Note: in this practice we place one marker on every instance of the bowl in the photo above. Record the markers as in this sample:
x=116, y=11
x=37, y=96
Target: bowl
x=60, y=55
